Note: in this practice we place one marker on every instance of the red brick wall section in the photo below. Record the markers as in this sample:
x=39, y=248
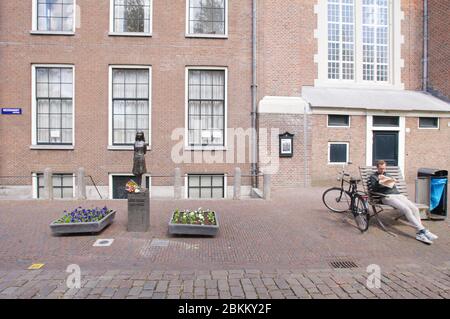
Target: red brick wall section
x=286, y=46
x=412, y=49
x=426, y=147
x=291, y=172
x=439, y=47
x=323, y=173
x=91, y=50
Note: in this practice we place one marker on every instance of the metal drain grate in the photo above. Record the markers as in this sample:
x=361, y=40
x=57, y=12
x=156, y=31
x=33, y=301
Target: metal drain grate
x=343, y=264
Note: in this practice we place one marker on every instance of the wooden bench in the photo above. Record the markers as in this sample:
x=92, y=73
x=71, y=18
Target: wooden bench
x=375, y=199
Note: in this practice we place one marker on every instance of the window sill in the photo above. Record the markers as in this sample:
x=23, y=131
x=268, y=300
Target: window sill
x=130, y=34
x=207, y=36
x=357, y=85
x=35, y=32
x=52, y=147
x=205, y=148
x=124, y=148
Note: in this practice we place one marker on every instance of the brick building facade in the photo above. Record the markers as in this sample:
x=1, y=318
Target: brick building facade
x=439, y=48
x=185, y=45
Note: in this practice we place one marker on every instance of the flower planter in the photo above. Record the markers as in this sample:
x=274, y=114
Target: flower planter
x=190, y=229
x=85, y=227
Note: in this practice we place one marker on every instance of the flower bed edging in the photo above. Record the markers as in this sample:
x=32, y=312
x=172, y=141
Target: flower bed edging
x=82, y=227
x=192, y=229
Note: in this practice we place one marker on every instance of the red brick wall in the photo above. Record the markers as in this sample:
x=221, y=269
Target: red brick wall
x=426, y=147
x=291, y=171
x=91, y=50
x=412, y=49
x=286, y=47
x=323, y=173
x=439, y=47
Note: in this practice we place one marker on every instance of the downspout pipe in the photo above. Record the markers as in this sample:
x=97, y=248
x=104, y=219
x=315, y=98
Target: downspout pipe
x=254, y=159
x=425, y=46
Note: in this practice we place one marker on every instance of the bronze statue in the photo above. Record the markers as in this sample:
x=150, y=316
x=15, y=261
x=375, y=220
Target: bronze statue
x=140, y=149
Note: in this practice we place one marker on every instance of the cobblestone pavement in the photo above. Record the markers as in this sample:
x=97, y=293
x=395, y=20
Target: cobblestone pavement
x=282, y=248
x=408, y=282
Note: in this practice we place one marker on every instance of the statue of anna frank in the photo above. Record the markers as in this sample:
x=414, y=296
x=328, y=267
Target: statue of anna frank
x=140, y=149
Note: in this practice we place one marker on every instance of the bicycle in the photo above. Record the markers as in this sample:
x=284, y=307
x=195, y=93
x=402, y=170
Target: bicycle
x=339, y=200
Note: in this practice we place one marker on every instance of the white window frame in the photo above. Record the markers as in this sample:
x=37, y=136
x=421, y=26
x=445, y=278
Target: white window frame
x=347, y=153
x=35, y=185
x=110, y=182
x=203, y=35
x=429, y=128
x=186, y=186
x=396, y=39
x=339, y=126
x=34, y=24
x=188, y=147
x=128, y=34
x=110, y=107
x=34, y=144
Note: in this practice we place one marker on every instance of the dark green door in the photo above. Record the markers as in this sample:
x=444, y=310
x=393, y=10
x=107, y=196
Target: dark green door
x=385, y=147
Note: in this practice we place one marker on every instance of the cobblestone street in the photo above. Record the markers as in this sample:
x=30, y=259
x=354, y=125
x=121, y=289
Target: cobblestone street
x=283, y=248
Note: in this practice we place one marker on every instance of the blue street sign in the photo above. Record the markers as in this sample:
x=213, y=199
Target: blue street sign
x=11, y=111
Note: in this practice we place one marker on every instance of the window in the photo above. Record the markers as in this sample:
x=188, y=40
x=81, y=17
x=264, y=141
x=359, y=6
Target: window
x=375, y=31
x=54, y=15
x=53, y=105
x=206, y=186
x=206, y=107
x=118, y=185
x=429, y=122
x=131, y=16
x=62, y=185
x=337, y=153
x=130, y=104
x=341, y=39
x=207, y=17
x=338, y=121
x=355, y=38
x=386, y=121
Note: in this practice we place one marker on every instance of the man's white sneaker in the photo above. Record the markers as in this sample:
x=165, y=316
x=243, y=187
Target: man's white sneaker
x=430, y=235
x=423, y=238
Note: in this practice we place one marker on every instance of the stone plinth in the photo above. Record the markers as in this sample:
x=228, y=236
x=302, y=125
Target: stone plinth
x=138, y=212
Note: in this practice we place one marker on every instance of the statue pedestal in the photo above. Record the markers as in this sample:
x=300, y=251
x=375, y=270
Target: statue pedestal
x=138, y=212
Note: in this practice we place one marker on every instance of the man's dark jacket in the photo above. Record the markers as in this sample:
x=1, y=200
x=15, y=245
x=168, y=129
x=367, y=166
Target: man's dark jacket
x=378, y=188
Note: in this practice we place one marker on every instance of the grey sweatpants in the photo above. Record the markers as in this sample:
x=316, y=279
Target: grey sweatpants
x=407, y=207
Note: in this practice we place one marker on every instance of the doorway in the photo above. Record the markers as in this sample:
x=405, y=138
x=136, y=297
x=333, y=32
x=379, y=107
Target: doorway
x=385, y=147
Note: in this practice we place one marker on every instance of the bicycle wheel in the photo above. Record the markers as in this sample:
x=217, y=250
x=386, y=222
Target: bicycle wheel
x=361, y=213
x=336, y=200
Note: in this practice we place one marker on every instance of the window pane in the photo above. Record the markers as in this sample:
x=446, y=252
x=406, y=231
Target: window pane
x=194, y=193
x=338, y=153
x=205, y=181
x=217, y=193
x=428, y=122
x=67, y=192
x=389, y=121
x=338, y=120
x=43, y=106
x=194, y=181
x=217, y=181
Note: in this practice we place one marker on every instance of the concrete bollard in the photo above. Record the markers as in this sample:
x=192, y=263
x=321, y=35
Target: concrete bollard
x=177, y=183
x=48, y=183
x=267, y=180
x=81, y=184
x=237, y=184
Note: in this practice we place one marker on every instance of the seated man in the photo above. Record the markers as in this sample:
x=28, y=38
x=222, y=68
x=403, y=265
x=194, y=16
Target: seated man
x=385, y=184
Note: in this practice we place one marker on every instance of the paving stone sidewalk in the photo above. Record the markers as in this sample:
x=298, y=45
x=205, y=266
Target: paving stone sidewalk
x=409, y=282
